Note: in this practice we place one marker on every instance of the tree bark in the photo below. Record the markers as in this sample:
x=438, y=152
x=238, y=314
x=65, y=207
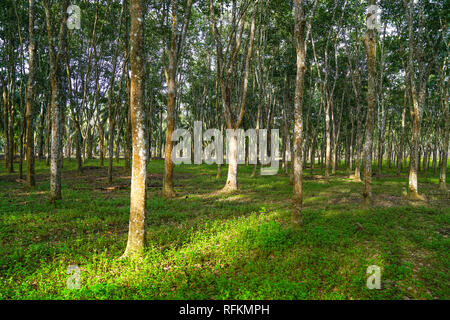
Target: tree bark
x=382, y=116
x=417, y=96
x=136, y=232
x=370, y=46
x=56, y=131
x=111, y=109
x=5, y=121
x=444, y=157
x=30, y=97
x=297, y=197
x=175, y=50
x=402, y=135
x=233, y=118
x=168, y=190
x=48, y=134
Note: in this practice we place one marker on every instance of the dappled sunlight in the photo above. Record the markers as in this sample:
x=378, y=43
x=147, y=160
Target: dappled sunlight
x=224, y=150
x=26, y=194
x=205, y=245
x=236, y=198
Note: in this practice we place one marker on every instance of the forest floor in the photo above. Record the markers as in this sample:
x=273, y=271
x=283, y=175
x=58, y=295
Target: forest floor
x=207, y=245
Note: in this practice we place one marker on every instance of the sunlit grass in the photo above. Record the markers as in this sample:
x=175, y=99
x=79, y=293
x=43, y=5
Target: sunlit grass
x=208, y=245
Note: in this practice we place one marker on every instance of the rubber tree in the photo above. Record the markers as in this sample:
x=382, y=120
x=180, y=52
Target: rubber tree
x=136, y=231
x=226, y=65
x=369, y=41
x=56, y=58
x=301, y=48
x=175, y=51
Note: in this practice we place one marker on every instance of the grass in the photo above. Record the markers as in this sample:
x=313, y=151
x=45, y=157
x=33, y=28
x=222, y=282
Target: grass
x=205, y=245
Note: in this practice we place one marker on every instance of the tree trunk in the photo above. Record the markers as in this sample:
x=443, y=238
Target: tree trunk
x=111, y=109
x=417, y=100
x=78, y=144
x=48, y=134
x=41, y=133
x=56, y=131
x=233, y=118
x=21, y=149
x=402, y=136
x=327, y=139
x=167, y=190
x=444, y=157
x=370, y=46
x=297, y=197
x=176, y=47
x=89, y=142
x=5, y=121
x=136, y=232
x=11, y=130
x=101, y=144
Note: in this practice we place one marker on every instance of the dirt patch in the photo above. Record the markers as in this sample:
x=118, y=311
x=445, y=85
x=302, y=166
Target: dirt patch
x=313, y=178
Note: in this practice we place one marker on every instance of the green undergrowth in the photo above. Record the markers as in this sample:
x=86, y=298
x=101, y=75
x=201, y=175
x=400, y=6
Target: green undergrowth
x=208, y=245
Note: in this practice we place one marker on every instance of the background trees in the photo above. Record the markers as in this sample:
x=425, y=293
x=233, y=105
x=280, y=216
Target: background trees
x=230, y=64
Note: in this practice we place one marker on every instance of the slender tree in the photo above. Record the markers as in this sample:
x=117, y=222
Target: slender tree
x=446, y=133
x=419, y=68
x=175, y=50
x=297, y=198
x=233, y=118
x=136, y=232
x=5, y=119
x=111, y=109
x=30, y=98
x=370, y=46
x=301, y=48
x=56, y=57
